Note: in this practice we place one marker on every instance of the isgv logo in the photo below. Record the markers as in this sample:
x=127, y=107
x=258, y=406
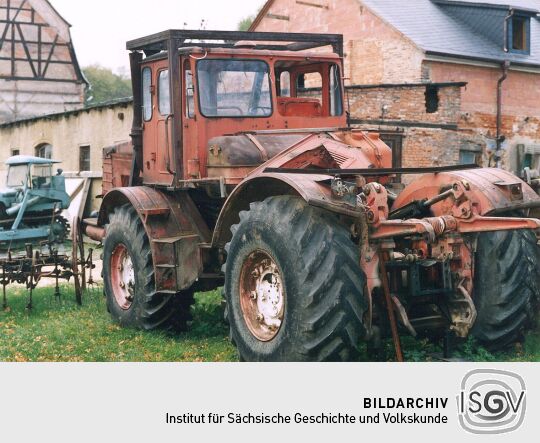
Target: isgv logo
x=492, y=401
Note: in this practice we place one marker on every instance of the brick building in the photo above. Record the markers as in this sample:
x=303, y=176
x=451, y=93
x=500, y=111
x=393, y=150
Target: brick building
x=39, y=72
x=442, y=80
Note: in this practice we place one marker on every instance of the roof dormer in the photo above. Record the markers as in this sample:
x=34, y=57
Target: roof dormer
x=518, y=35
x=505, y=24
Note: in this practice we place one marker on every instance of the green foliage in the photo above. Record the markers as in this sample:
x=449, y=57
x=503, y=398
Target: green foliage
x=245, y=23
x=105, y=85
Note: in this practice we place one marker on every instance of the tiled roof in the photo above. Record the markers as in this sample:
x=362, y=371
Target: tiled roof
x=463, y=28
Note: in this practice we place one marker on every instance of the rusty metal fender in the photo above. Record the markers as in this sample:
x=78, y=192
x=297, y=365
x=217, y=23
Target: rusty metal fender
x=487, y=191
x=174, y=229
x=312, y=188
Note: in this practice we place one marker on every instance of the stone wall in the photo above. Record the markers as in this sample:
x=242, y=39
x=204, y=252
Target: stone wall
x=96, y=127
x=478, y=118
x=428, y=138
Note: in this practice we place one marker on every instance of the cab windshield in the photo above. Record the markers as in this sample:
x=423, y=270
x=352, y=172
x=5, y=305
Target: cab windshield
x=234, y=88
x=41, y=176
x=17, y=176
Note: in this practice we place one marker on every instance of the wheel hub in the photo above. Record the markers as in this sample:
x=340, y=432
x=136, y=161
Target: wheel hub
x=122, y=277
x=262, y=296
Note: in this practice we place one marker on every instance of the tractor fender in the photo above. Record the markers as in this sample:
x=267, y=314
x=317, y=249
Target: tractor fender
x=174, y=229
x=314, y=189
x=491, y=191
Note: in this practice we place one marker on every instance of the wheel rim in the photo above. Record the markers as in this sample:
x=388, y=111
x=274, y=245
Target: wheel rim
x=262, y=296
x=122, y=277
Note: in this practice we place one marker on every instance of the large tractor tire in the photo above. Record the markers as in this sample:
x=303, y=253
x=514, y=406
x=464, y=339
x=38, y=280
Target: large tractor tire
x=128, y=277
x=293, y=285
x=507, y=287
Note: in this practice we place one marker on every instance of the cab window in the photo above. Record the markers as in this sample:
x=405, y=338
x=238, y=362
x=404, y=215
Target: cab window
x=234, y=88
x=41, y=176
x=190, y=91
x=147, y=94
x=336, y=99
x=164, y=96
x=308, y=89
x=17, y=176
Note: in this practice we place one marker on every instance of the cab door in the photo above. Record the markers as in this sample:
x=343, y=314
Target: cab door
x=149, y=129
x=157, y=122
x=164, y=123
x=189, y=130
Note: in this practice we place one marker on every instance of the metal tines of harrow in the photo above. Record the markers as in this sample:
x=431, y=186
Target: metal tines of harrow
x=30, y=267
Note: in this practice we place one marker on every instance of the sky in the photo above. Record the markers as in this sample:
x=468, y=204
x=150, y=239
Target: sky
x=100, y=28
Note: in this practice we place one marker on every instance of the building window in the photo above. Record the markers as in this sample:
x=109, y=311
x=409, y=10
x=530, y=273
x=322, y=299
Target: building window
x=44, y=151
x=84, y=158
x=15, y=152
x=519, y=34
x=432, y=99
x=467, y=157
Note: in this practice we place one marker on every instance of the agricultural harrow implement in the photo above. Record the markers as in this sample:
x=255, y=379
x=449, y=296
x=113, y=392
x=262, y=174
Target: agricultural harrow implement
x=34, y=236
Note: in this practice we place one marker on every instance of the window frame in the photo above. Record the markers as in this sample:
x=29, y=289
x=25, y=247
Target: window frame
x=527, y=28
x=81, y=149
x=318, y=67
x=149, y=69
x=270, y=87
x=339, y=87
x=41, y=146
x=160, y=72
x=432, y=99
x=188, y=68
x=464, y=152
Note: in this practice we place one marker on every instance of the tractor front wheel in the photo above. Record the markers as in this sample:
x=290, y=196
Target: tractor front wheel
x=293, y=285
x=128, y=277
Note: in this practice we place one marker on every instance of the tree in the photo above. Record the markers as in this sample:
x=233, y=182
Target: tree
x=245, y=23
x=105, y=85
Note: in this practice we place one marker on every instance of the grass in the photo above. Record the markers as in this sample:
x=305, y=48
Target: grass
x=59, y=330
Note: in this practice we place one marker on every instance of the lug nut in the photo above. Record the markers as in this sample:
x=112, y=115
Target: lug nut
x=253, y=295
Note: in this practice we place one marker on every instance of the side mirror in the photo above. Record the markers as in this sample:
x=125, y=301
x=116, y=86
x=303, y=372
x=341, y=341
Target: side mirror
x=59, y=171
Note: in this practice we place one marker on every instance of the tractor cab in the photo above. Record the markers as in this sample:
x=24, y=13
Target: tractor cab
x=210, y=106
x=29, y=172
x=26, y=173
x=31, y=203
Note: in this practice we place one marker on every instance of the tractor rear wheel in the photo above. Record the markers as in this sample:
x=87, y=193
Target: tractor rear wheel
x=507, y=287
x=293, y=285
x=129, y=282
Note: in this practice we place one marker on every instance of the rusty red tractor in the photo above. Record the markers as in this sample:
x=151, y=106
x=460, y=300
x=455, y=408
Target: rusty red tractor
x=244, y=172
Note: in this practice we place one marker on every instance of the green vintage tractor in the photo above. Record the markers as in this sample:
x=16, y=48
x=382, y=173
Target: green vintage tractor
x=32, y=202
